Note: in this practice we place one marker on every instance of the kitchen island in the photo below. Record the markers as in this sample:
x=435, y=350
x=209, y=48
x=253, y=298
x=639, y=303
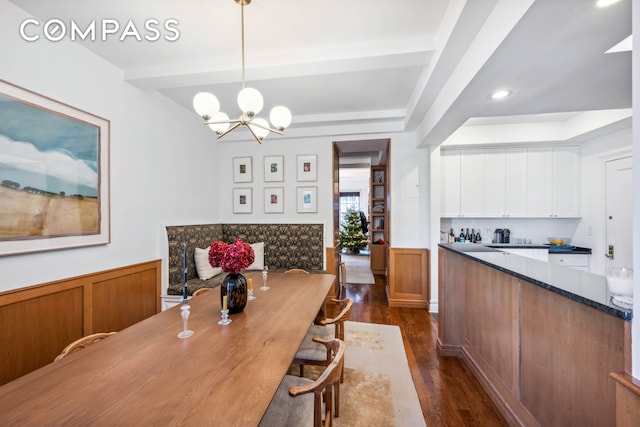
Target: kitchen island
x=542, y=339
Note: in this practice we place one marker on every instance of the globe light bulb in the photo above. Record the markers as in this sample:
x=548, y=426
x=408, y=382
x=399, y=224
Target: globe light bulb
x=260, y=132
x=206, y=104
x=219, y=127
x=280, y=117
x=250, y=101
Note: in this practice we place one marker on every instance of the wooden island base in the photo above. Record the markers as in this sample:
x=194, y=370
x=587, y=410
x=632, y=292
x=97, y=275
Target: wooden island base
x=544, y=359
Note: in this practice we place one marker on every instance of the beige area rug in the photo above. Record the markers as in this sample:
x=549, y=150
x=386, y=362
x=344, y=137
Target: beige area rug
x=358, y=269
x=378, y=389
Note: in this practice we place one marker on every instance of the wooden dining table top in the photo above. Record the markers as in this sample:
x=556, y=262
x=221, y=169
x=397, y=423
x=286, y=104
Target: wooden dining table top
x=146, y=375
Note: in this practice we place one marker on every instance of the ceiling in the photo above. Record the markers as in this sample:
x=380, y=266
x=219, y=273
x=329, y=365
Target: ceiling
x=354, y=68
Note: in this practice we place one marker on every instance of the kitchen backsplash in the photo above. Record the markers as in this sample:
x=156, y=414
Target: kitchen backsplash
x=535, y=229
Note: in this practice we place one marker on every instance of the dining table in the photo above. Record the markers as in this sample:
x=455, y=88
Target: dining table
x=222, y=375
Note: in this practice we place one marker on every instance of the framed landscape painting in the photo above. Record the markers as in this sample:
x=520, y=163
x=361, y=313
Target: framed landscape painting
x=54, y=174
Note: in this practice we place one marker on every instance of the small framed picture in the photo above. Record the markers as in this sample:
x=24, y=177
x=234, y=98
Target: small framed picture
x=273, y=168
x=307, y=167
x=274, y=200
x=242, y=169
x=307, y=199
x=242, y=200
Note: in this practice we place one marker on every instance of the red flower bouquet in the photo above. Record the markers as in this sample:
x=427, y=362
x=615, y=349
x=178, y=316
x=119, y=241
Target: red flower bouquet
x=231, y=258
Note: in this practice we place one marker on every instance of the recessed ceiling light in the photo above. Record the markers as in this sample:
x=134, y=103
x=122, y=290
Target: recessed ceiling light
x=501, y=93
x=605, y=3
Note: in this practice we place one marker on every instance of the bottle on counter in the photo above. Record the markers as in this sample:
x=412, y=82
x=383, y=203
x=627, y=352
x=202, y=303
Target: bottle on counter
x=452, y=236
x=473, y=235
x=461, y=237
x=478, y=237
x=467, y=236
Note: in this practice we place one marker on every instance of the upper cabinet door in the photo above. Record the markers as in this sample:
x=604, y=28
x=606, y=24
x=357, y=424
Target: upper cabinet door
x=516, y=182
x=566, y=189
x=472, y=188
x=539, y=182
x=450, y=184
x=495, y=163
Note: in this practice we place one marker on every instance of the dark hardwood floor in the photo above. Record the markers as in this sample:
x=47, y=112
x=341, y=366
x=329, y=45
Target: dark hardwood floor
x=449, y=394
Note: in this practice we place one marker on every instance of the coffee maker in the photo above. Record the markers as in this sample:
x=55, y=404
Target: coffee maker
x=501, y=235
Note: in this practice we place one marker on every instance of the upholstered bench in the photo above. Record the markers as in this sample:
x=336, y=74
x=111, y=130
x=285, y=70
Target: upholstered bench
x=286, y=246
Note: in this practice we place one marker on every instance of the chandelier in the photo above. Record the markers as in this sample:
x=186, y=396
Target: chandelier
x=250, y=102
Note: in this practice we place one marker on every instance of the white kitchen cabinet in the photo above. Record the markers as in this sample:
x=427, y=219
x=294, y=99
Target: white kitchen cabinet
x=516, y=182
x=495, y=163
x=521, y=182
x=450, y=183
x=538, y=182
x=552, y=182
x=505, y=182
x=472, y=188
x=462, y=193
x=576, y=261
x=565, y=200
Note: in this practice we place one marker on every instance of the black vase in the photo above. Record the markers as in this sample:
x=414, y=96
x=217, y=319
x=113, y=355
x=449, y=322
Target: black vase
x=234, y=286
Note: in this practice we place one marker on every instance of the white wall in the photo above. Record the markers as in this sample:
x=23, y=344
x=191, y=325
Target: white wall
x=290, y=149
x=410, y=193
x=163, y=162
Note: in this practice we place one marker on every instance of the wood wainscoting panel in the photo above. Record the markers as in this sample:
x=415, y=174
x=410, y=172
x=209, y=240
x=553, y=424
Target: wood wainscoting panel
x=34, y=331
x=112, y=312
x=408, y=278
x=37, y=322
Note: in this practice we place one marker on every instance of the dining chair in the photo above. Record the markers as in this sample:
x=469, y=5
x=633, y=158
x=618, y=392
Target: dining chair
x=297, y=271
x=200, y=291
x=299, y=401
x=81, y=343
x=311, y=352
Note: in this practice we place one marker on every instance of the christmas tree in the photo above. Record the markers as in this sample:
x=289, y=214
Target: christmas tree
x=351, y=235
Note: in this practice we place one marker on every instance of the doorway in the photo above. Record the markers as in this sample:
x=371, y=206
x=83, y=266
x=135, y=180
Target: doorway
x=352, y=181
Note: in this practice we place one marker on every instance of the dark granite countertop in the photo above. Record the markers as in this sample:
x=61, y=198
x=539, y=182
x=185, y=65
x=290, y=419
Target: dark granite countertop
x=586, y=288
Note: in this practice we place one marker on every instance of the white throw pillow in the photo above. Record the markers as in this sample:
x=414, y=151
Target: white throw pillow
x=258, y=251
x=205, y=271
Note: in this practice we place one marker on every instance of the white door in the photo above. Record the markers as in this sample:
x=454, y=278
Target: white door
x=619, y=201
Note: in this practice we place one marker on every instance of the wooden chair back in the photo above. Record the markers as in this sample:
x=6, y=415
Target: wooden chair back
x=81, y=343
x=341, y=317
x=200, y=291
x=325, y=386
x=297, y=271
